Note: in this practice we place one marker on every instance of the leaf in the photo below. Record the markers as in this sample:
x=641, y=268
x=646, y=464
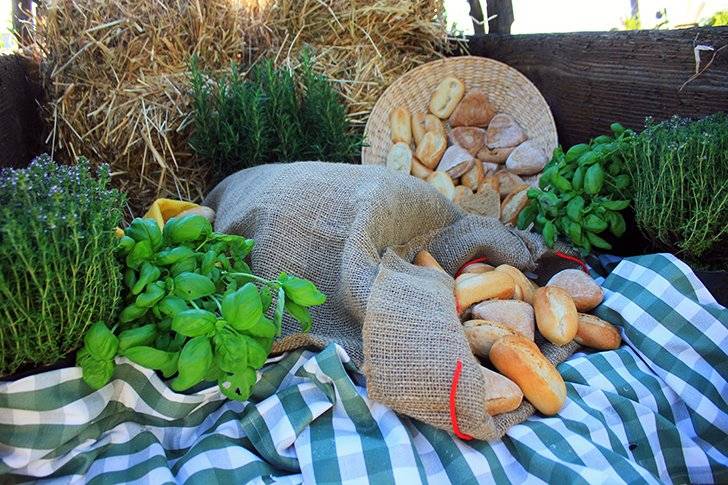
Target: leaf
x=149, y=357
x=257, y=354
x=101, y=342
x=194, y=322
x=193, y=364
x=231, y=350
x=299, y=313
x=242, y=308
x=302, y=291
x=266, y=298
x=239, y=385
x=265, y=328
x=97, y=373
x=144, y=335
x=191, y=286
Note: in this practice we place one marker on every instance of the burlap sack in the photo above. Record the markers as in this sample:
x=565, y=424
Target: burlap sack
x=353, y=231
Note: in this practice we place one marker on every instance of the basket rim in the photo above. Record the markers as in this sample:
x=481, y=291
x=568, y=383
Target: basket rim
x=455, y=60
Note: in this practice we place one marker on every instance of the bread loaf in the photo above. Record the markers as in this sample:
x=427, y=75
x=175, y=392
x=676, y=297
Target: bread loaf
x=482, y=334
x=424, y=122
x=514, y=314
x=400, y=124
x=473, y=177
x=399, y=158
x=527, y=159
x=508, y=182
x=502, y=395
x=469, y=138
x=484, y=286
x=513, y=204
x=597, y=334
x=477, y=268
x=446, y=97
x=494, y=155
x=430, y=149
x=556, y=315
x=455, y=161
x=520, y=360
x=585, y=292
x=523, y=283
x=503, y=132
x=443, y=184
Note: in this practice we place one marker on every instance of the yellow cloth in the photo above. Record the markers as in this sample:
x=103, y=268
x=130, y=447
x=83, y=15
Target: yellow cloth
x=162, y=210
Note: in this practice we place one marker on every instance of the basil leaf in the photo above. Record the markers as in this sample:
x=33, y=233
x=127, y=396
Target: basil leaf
x=242, y=308
x=302, y=292
x=300, y=313
x=194, y=363
x=101, y=342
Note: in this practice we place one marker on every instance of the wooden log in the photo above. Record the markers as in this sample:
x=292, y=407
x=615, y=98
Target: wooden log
x=591, y=79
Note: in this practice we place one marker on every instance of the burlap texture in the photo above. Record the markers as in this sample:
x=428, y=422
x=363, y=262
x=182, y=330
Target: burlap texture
x=353, y=231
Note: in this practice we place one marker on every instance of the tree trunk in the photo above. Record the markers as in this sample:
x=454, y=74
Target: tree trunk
x=503, y=10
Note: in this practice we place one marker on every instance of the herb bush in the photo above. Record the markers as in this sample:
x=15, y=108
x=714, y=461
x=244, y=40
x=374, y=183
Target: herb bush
x=58, y=273
x=269, y=115
x=680, y=192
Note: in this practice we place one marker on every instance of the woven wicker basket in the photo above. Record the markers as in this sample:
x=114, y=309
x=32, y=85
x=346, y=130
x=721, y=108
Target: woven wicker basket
x=508, y=90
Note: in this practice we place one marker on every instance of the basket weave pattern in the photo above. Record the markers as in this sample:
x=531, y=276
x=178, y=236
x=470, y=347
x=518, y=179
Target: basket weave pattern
x=508, y=90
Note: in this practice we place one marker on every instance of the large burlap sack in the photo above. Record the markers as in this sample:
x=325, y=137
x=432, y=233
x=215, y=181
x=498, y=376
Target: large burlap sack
x=353, y=231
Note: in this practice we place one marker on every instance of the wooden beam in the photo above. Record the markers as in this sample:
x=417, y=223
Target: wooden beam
x=503, y=12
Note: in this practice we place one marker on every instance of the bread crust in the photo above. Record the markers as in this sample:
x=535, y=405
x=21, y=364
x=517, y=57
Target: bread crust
x=514, y=314
x=482, y=334
x=585, y=292
x=430, y=149
x=443, y=184
x=483, y=286
x=520, y=280
x=446, y=97
x=556, y=315
x=596, y=333
x=424, y=122
x=502, y=395
x=400, y=125
x=473, y=110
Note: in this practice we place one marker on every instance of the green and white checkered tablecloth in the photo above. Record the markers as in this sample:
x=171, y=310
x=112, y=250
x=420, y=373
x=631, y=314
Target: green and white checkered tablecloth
x=653, y=411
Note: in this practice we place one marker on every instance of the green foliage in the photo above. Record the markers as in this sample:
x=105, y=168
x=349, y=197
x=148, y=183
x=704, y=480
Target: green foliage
x=680, y=173
x=270, y=115
x=58, y=273
x=205, y=322
x=719, y=19
x=581, y=193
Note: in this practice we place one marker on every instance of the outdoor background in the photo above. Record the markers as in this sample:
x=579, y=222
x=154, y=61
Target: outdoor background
x=534, y=16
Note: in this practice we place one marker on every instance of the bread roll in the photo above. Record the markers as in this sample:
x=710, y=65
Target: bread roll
x=503, y=132
x=484, y=286
x=482, y=334
x=502, y=395
x=494, y=155
x=464, y=276
x=443, y=184
x=514, y=314
x=473, y=177
x=419, y=170
x=513, y=204
x=426, y=260
x=469, y=138
x=585, y=292
x=477, y=268
x=473, y=110
x=520, y=360
x=430, y=149
x=399, y=158
x=520, y=280
x=424, y=122
x=556, y=315
x=490, y=182
x=446, y=97
x=508, y=182
x=484, y=203
x=461, y=192
x=527, y=158
x=597, y=334
x=455, y=161
x=400, y=125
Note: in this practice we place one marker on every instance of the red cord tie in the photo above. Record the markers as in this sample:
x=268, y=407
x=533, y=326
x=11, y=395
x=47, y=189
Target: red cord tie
x=453, y=392
x=473, y=261
x=581, y=263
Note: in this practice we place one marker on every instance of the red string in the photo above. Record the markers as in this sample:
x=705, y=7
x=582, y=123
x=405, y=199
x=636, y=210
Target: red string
x=453, y=392
x=462, y=268
x=581, y=263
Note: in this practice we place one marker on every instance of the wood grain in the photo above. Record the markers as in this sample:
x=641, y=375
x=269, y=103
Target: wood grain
x=591, y=79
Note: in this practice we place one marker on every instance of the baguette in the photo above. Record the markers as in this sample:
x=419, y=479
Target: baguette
x=473, y=177
x=426, y=260
x=443, y=184
x=502, y=395
x=424, y=122
x=556, y=315
x=514, y=314
x=594, y=332
x=482, y=334
x=520, y=360
x=419, y=170
x=473, y=110
x=585, y=292
x=430, y=149
x=446, y=97
x=483, y=286
x=524, y=284
x=399, y=158
x=477, y=268
x=400, y=124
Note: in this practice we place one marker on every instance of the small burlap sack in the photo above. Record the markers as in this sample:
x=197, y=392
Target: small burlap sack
x=353, y=231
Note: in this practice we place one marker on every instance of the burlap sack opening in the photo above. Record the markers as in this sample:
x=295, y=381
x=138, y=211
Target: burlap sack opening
x=352, y=230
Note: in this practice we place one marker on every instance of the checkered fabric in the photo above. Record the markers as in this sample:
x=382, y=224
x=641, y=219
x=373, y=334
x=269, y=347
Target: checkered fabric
x=653, y=411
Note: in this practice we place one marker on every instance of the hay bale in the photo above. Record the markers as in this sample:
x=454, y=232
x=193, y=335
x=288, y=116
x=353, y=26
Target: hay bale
x=116, y=72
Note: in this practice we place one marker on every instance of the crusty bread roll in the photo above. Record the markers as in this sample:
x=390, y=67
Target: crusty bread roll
x=399, y=158
x=464, y=276
x=468, y=137
x=514, y=314
x=513, y=204
x=426, y=260
x=446, y=97
x=482, y=334
x=520, y=360
x=527, y=158
x=473, y=110
x=508, y=182
x=473, y=177
x=419, y=170
x=491, y=182
x=455, y=161
x=430, y=149
x=483, y=286
x=484, y=203
x=400, y=125
x=477, y=268
x=523, y=283
x=597, y=334
x=443, y=184
x=461, y=192
x=502, y=395
x=503, y=132
x=585, y=292
x=494, y=155
x=556, y=315
x=424, y=122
